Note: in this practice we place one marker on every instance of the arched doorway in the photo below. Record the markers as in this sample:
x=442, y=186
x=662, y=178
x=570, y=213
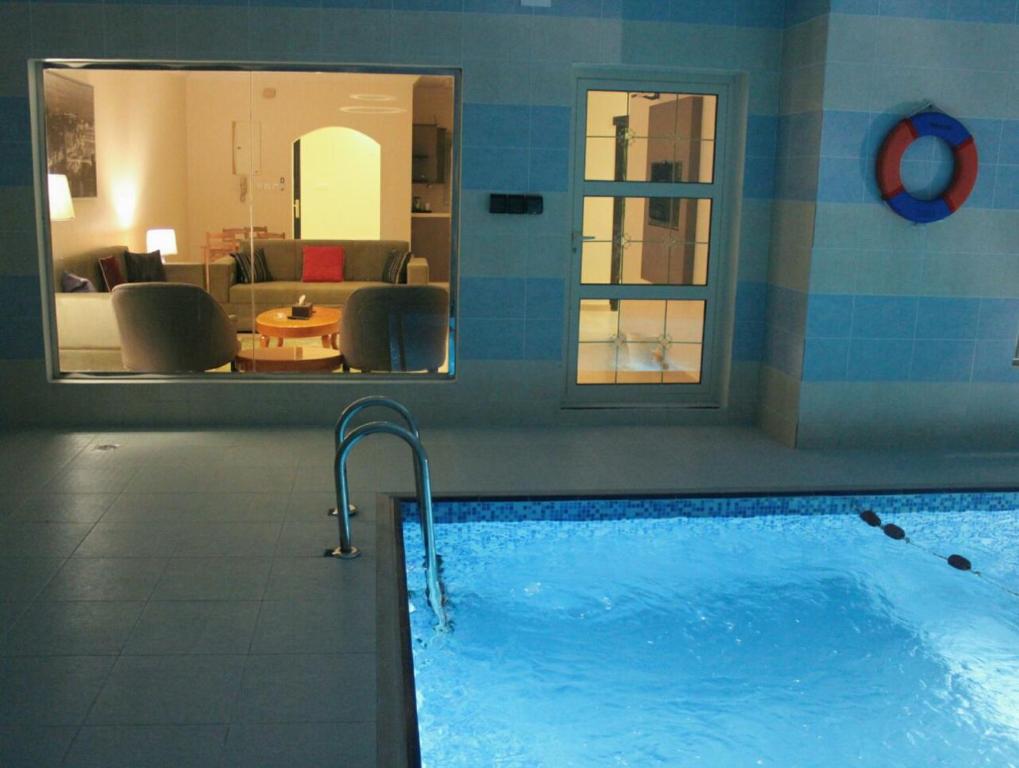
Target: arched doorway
x=337, y=185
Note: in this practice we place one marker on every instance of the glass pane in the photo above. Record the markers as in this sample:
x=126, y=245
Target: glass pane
x=631, y=341
x=685, y=321
x=260, y=164
x=650, y=136
x=641, y=320
x=596, y=363
x=646, y=240
x=684, y=364
x=596, y=263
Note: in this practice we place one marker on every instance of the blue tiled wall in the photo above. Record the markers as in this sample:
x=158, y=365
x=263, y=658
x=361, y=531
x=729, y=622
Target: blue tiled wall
x=517, y=117
x=798, y=144
x=851, y=325
x=911, y=329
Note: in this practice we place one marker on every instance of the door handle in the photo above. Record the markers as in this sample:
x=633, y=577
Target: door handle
x=297, y=208
x=579, y=237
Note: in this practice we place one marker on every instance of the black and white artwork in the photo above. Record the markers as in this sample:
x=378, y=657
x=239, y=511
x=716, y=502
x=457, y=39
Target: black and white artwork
x=71, y=133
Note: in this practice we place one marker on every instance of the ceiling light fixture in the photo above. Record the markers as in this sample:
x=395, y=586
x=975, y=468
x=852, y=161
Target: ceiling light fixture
x=372, y=97
x=366, y=110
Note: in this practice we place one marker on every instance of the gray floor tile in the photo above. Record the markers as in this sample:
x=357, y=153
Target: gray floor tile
x=300, y=538
x=41, y=539
x=194, y=627
x=309, y=506
x=171, y=690
x=325, y=625
x=228, y=539
x=22, y=578
x=314, y=479
x=24, y=480
x=81, y=629
x=34, y=746
x=91, y=480
x=172, y=478
x=197, y=507
x=50, y=690
x=141, y=454
x=212, y=479
x=63, y=507
x=132, y=540
x=296, y=689
x=213, y=578
x=10, y=504
x=147, y=746
x=105, y=578
x=288, y=745
x=10, y=612
x=311, y=578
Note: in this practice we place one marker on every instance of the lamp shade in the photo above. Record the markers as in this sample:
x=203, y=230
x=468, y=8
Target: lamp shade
x=61, y=207
x=162, y=240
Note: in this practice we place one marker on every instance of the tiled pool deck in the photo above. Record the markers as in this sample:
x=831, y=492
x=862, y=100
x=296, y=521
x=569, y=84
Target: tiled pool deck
x=167, y=603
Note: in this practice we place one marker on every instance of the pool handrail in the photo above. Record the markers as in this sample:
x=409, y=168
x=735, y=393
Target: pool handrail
x=370, y=401
x=346, y=550
x=373, y=401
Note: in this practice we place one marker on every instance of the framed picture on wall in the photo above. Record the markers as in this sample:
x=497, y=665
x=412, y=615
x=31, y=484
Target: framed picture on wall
x=71, y=133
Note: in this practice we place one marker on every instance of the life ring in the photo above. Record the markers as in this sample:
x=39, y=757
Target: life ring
x=889, y=160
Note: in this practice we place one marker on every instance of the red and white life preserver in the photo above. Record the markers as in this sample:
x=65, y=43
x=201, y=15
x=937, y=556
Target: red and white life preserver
x=889, y=160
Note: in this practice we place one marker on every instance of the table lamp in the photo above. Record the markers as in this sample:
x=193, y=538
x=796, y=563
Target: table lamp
x=162, y=240
x=61, y=207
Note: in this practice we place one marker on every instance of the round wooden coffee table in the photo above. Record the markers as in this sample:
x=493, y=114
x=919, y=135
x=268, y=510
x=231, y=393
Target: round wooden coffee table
x=287, y=359
x=278, y=324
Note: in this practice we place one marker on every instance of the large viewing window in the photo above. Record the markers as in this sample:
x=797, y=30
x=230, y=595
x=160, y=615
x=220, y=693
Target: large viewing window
x=225, y=221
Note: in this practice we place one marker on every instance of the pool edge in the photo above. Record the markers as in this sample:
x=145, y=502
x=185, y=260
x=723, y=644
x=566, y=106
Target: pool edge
x=396, y=705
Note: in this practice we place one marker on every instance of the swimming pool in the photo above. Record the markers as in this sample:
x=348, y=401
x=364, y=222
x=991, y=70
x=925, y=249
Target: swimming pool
x=778, y=631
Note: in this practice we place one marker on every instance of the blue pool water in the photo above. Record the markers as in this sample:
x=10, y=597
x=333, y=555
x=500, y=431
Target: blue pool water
x=787, y=639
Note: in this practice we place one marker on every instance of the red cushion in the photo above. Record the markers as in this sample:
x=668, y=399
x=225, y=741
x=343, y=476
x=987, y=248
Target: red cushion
x=112, y=275
x=323, y=264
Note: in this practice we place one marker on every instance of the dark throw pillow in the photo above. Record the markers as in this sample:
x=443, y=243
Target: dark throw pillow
x=243, y=264
x=145, y=267
x=112, y=276
x=72, y=283
x=395, y=270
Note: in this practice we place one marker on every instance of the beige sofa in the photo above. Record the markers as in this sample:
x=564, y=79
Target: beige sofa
x=87, y=335
x=364, y=263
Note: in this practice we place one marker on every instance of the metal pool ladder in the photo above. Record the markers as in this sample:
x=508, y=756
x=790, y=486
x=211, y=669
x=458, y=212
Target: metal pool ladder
x=422, y=480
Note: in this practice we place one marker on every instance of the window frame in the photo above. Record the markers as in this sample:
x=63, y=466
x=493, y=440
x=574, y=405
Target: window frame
x=47, y=281
x=719, y=292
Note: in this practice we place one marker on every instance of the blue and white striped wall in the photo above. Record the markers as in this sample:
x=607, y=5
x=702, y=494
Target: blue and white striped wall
x=518, y=96
x=910, y=330
x=851, y=326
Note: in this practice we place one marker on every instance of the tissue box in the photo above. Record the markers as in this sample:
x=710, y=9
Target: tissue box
x=302, y=310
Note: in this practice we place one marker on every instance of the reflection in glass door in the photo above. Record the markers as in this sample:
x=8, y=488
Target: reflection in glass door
x=649, y=188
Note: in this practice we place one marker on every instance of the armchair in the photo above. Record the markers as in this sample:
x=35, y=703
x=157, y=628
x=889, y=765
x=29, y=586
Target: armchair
x=172, y=328
x=395, y=328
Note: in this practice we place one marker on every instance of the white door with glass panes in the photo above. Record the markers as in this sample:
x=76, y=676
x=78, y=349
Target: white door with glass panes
x=647, y=280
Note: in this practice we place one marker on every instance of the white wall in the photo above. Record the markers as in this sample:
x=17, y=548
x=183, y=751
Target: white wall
x=140, y=163
x=302, y=102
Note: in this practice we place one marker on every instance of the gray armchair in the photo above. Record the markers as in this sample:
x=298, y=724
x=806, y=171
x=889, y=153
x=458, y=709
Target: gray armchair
x=172, y=328
x=395, y=328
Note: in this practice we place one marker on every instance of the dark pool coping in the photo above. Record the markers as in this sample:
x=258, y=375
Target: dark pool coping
x=396, y=705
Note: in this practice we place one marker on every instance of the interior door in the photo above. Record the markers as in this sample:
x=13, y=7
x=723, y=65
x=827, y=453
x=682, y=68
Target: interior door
x=648, y=289
x=297, y=189
x=339, y=196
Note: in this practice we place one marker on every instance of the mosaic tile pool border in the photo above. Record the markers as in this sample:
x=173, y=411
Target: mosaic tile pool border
x=475, y=510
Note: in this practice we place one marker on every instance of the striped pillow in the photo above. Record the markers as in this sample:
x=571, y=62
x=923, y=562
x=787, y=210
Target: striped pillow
x=395, y=270
x=244, y=264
